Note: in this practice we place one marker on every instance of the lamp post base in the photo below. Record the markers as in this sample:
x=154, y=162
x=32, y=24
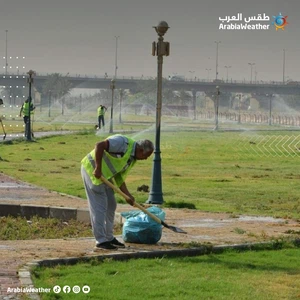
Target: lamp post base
x=156, y=195
x=155, y=198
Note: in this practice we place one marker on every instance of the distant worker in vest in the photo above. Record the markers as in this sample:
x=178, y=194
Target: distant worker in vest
x=101, y=112
x=25, y=110
x=111, y=158
x=1, y=103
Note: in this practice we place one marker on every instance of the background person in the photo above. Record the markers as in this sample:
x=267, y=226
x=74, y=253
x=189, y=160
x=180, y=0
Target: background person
x=26, y=112
x=101, y=112
x=1, y=103
x=111, y=158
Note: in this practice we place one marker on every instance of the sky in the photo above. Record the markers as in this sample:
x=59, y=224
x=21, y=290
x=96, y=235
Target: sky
x=79, y=37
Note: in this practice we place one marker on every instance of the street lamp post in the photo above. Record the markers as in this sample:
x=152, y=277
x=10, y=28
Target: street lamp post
x=217, y=58
x=270, y=109
x=192, y=74
x=283, y=67
x=112, y=86
x=116, y=58
x=255, y=74
x=28, y=124
x=80, y=103
x=159, y=49
x=240, y=98
x=6, y=64
x=251, y=65
x=227, y=67
x=208, y=73
x=121, y=98
x=217, y=108
x=62, y=105
x=49, y=103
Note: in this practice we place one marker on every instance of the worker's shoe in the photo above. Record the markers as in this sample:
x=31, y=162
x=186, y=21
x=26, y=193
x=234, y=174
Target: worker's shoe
x=106, y=246
x=116, y=243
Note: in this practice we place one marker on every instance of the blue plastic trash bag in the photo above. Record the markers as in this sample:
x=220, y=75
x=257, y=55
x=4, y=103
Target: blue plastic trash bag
x=140, y=228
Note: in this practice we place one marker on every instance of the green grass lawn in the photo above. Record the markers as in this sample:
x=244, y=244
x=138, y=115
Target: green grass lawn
x=211, y=170
x=207, y=169
x=261, y=275
x=41, y=228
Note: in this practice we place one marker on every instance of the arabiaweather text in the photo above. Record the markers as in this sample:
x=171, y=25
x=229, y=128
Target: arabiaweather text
x=244, y=26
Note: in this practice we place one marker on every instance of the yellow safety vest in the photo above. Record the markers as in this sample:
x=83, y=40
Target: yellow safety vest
x=101, y=111
x=112, y=167
x=25, y=109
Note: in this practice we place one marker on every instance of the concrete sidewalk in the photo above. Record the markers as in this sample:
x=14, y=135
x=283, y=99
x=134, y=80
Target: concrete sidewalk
x=216, y=229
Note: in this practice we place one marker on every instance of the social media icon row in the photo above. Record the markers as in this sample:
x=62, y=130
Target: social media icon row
x=75, y=289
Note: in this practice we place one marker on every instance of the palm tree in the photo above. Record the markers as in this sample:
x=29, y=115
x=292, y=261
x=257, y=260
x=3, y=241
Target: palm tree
x=59, y=86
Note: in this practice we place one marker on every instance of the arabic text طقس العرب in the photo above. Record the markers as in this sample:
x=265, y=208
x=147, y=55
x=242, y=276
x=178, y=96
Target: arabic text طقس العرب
x=239, y=17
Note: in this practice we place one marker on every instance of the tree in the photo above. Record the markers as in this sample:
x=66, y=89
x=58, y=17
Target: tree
x=292, y=101
x=144, y=87
x=184, y=97
x=146, y=91
x=58, y=85
x=14, y=95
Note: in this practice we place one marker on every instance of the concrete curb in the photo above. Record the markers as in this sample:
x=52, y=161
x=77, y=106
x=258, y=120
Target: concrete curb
x=61, y=213
x=25, y=275
x=124, y=254
x=26, y=281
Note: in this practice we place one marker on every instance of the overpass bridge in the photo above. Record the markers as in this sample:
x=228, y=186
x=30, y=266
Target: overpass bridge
x=197, y=85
